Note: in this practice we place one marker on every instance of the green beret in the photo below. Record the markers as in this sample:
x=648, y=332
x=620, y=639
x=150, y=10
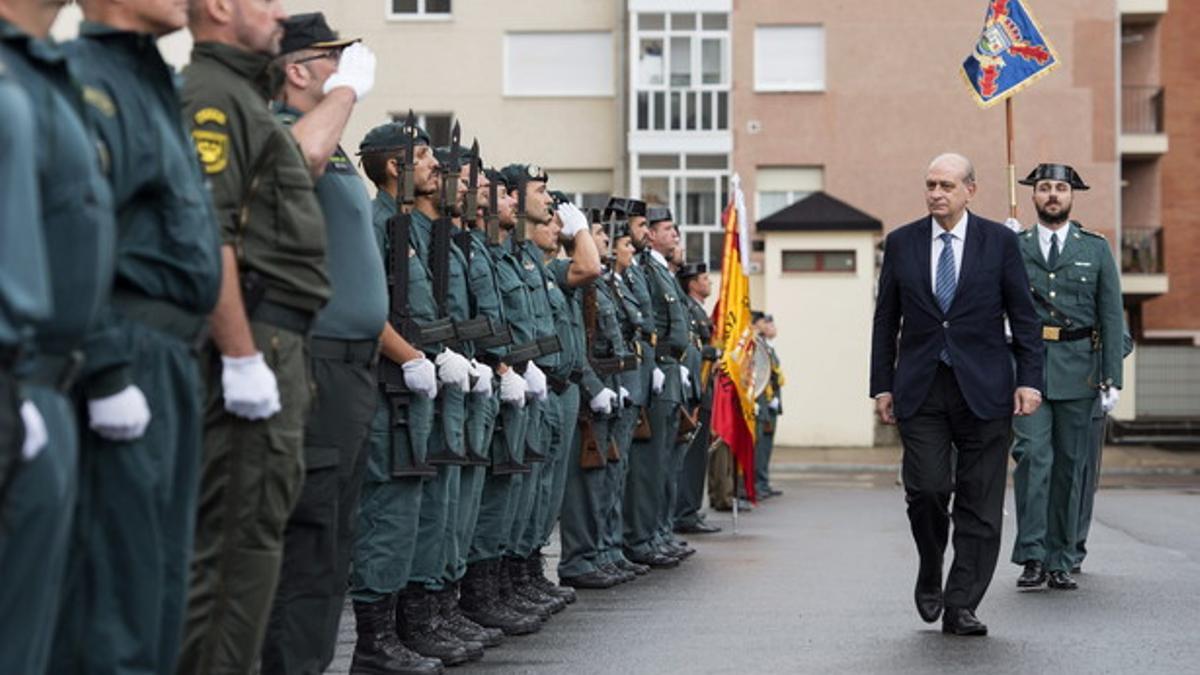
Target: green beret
x=513, y=174
x=390, y=137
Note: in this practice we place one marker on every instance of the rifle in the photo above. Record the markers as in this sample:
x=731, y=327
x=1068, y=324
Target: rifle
x=590, y=457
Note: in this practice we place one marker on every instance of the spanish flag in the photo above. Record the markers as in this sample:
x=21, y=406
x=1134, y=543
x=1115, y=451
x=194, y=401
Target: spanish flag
x=733, y=405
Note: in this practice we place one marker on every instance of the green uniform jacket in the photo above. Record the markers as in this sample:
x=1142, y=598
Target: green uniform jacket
x=1086, y=287
x=420, y=287
x=167, y=242
x=702, y=331
x=670, y=322
x=485, y=288
x=642, y=309
x=76, y=202
x=261, y=187
x=544, y=296
x=24, y=282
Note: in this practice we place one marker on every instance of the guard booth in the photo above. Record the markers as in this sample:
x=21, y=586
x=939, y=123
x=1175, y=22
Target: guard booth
x=819, y=283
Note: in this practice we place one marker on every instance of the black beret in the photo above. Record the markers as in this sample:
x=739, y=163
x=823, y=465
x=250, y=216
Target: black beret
x=513, y=174
x=390, y=138
x=691, y=270
x=309, y=31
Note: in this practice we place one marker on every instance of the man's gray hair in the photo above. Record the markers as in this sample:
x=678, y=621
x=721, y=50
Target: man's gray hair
x=968, y=169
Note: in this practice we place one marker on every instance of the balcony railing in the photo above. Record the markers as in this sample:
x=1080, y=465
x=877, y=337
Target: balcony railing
x=1142, y=110
x=1142, y=250
x=682, y=110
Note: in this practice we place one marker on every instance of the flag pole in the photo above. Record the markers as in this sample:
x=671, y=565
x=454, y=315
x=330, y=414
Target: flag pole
x=1012, y=165
x=734, y=464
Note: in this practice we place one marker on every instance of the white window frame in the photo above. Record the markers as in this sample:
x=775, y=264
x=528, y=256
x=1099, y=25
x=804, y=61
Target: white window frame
x=419, y=15
x=720, y=176
x=696, y=75
x=793, y=87
x=610, y=88
x=793, y=196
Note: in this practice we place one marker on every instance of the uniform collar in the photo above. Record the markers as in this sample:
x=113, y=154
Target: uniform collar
x=386, y=202
x=248, y=65
x=139, y=42
x=45, y=50
x=1044, y=233
x=659, y=258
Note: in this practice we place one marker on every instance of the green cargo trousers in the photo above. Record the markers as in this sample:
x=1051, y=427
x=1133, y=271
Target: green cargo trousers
x=34, y=537
x=583, y=522
x=615, y=475
x=251, y=478
x=302, y=630
x=497, y=508
x=390, y=506
x=564, y=430
x=1050, y=450
x=695, y=469
x=645, y=491
x=481, y=422
x=520, y=542
x=136, y=513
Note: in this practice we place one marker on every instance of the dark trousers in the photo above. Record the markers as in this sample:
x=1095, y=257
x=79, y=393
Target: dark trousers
x=1089, y=484
x=695, y=469
x=302, y=631
x=944, y=421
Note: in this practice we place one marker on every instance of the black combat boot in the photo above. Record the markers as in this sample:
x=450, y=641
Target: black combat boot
x=462, y=627
x=416, y=615
x=509, y=595
x=518, y=572
x=537, y=575
x=480, y=602
x=378, y=650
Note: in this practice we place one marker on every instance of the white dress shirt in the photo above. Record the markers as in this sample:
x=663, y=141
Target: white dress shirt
x=1044, y=234
x=959, y=234
x=662, y=260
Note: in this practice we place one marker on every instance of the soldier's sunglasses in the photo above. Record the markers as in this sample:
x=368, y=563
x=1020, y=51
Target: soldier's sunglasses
x=334, y=55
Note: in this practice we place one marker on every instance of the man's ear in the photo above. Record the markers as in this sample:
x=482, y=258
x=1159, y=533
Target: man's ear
x=220, y=11
x=297, y=75
x=971, y=189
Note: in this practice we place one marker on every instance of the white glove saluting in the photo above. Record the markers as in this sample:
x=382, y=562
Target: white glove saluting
x=602, y=403
x=573, y=220
x=1109, y=398
x=483, y=378
x=513, y=388
x=35, y=431
x=249, y=387
x=356, y=69
x=420, y=376
x=120, y=417
x=454, y=369
x=657, y=380
x=536, y=379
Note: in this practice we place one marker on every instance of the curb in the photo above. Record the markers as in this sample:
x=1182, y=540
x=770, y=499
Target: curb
x=794, y=468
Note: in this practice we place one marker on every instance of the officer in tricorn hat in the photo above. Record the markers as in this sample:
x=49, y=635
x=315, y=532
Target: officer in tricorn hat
x=1077, y=291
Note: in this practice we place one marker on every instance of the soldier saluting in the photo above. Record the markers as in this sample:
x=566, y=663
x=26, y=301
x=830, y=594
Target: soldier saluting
x=1077, y=293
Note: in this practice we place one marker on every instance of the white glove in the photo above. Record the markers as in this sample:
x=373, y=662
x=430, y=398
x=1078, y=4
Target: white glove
x=657, y=380
x=249, y=387
x=356, y=69
x=536, y=381
x=775, y=404
x=120, y=417
x=1109, y=398
x=624, y=397
x=573, y=220
x=35, y=431
x=454, y=369
x=513, y=388
x=602, y=403
x=1013, y=224
x=483, y=378
x=685, y=377
x=420, y=376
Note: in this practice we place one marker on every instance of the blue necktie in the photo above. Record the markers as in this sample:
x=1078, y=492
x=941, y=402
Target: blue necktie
x=946, y=282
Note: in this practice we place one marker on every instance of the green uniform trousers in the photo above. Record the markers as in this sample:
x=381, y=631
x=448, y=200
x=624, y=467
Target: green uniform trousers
x=390, y=506
x=521, y=534
x=674, y=477
x=302, y=630
x=135, y=516
x=1090, y=482
x=645, y=491
x=1050, y=450
x=563, y=426
x=497, y=508
x=35, y=532
x=252, y=474
x=481, y=422
x=615, y=476
x=764, y=444
x=692, y=476
x=440, y=494
x=584, y=519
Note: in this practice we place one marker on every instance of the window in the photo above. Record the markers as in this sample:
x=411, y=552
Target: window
x=697, y=195
x=437, y=125
x=778, y=187
x=419, y=9
x=680, y=70
x=789, y=58
x=558, y=64
x=587, y=189
x=819, y=261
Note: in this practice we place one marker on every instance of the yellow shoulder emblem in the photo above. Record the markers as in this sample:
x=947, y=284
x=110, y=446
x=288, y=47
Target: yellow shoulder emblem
x=99, y=100
x=213, y=149
x=210, y=116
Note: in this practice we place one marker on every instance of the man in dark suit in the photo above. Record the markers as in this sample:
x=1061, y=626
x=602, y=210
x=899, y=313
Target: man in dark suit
x=947, y=378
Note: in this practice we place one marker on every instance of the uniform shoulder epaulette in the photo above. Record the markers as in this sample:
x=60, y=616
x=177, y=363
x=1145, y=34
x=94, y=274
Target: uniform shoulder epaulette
x=1090, y=233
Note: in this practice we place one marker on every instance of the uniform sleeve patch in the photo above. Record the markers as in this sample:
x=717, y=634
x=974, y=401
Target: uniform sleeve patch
x=210, y=116
x=99, y=100
x=213, y=149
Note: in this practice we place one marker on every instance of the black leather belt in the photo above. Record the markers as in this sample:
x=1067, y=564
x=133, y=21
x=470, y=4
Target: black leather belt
x=362, y=352
x=282, y=316
x=56, y=371
x=558, y=385
x=1059, y=334
x=161, y=315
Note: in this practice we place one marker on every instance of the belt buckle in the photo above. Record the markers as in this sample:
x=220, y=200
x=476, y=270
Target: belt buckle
x=1051, y=333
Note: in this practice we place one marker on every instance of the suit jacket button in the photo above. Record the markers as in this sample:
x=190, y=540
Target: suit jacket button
x=945, y=324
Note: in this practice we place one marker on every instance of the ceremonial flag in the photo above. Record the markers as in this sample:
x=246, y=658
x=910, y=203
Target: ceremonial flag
x=733, y=405
x=1011, y=54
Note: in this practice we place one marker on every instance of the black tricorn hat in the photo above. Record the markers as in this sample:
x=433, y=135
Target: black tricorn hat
x=691, y=270
x=658, y=214
x=309, y=31
x=625, y=207
x=1060, y=172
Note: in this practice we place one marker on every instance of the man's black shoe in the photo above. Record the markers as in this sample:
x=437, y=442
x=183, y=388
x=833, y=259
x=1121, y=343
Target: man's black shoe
x=617, y=573
x=1078, y=569
x=1033, y=576
x=962, y=621
x=697, y=527
x=678, y=549
x=653, y=560
x=625, y=564
x=595, y=580
x=773, y=492
x=1061, y=581
x=929, y=603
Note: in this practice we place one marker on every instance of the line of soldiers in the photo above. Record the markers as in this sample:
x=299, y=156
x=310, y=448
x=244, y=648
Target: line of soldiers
x=240, y=386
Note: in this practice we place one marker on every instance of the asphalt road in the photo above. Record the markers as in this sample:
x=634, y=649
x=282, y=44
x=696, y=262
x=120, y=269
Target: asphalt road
x=820, y=580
